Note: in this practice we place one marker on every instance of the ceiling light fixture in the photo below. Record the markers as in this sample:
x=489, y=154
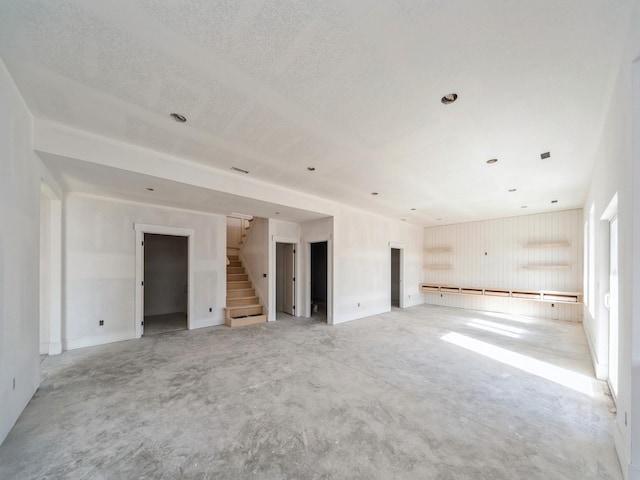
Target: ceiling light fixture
x=545, y=155
x=403, y=219
x=439, y=219
x=178, y=118
x=524, y=206
x=491, y=161
x=311, y=169
x=413, y=209
x=449, y=98
x=240, y=170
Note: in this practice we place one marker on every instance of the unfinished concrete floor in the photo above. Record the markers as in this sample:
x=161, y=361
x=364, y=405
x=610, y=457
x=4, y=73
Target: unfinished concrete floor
x=424, y=393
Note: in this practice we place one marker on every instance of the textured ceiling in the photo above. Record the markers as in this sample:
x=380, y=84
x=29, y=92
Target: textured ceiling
x=352, y=88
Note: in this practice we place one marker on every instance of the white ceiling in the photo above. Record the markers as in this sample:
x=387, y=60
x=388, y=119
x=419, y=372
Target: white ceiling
x=352, y=88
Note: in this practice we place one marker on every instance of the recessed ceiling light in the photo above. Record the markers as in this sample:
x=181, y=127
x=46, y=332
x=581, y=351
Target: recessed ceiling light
x=438, y=219
x=413, y=209
x=179, y=118
x=403, y=219
x=524, y=206
x=150, y=189
x=545, y=155
x=554, y=201
x=491, y=161
x=374, y=193
x=240, y=170
x=277, y=213
x=512, y=190
x=449, y=98
x=311, y=169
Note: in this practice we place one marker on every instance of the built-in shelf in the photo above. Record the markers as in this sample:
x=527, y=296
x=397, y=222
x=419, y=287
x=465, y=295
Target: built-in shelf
x=439, y=249
x=539, y=295
x=438, y=267
x=548, y=244
x=547, y=267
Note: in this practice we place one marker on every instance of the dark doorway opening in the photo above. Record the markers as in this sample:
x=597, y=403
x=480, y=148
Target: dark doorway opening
x=166, y=273
x=319, y=278
x=395, y=277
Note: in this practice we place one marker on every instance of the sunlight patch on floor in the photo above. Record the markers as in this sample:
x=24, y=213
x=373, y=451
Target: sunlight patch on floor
x=562, y=376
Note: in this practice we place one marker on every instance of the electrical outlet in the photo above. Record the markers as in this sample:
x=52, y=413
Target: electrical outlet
x=358, y=304
x=101, y=322
x=210, y=309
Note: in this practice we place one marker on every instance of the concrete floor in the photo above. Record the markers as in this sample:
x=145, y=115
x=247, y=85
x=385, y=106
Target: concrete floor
x=168, y=322
x=383, y=397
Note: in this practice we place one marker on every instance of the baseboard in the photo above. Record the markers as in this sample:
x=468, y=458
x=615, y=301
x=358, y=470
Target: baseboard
x=628, y=472
x=55, y=348
x=72, y=344
x=206, y=322
x=601, y=371
x=44, y=348
x=164, y=311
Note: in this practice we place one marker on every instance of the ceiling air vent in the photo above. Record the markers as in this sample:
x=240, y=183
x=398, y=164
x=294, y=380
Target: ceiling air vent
x=240, y=170
x=545, y=155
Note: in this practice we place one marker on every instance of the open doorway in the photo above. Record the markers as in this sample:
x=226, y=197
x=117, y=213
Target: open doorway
x=285, y=278
x=395, y=277
x=166, y=273
x=318, y=274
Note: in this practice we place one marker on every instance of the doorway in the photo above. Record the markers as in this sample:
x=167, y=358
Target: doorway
x=612, y=305
x=319, y=277
x=285, y=278
x=395, y=277
x=166, y=272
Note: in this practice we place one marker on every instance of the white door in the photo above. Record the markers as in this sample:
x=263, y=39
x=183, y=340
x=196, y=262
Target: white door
x=289, y=265
x=613, y=305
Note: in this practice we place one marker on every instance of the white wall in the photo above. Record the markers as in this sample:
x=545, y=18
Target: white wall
x=234, y=232
x=100, y=266
x=19, y=263
x=616, y=171
x=492, y=254
x=362, y=263
x=165, y=274
x=255, y=258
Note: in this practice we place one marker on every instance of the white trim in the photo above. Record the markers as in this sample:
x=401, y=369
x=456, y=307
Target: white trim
x=601, y=370
x=71, y=344
x=54, y=315
x=141, y=229
x=275, y=239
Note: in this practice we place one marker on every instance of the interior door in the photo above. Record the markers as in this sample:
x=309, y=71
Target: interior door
x=289, y=264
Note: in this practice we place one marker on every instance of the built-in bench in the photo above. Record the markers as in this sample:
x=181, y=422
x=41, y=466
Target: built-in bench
x=539, y=295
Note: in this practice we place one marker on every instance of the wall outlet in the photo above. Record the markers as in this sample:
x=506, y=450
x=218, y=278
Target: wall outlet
x=358, y=304
x=101, y=322
x=210, y=309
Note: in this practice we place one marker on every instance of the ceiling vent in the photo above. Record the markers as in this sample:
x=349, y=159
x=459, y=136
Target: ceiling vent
x=239, y=170
x=545, y=155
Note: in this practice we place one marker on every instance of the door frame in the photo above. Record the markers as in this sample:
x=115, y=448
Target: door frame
x=53, y=315
x=275, y=239
x=141, y=229
x=308, y=242
x=397, y=246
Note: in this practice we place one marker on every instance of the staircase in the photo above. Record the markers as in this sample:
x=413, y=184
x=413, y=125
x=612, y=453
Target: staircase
x=243, y=306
